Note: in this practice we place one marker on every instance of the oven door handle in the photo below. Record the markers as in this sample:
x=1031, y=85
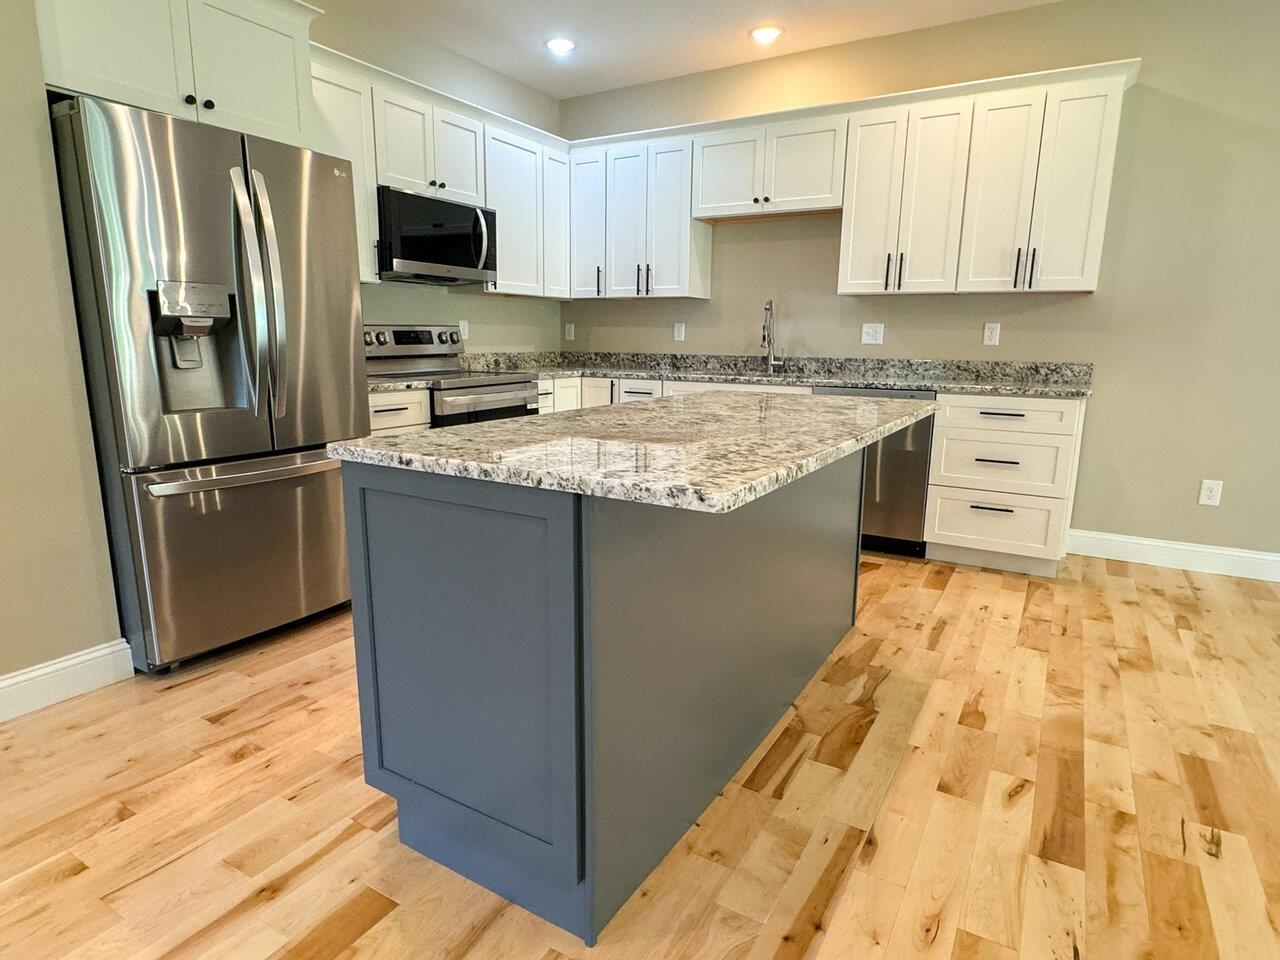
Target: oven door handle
x=444, y=404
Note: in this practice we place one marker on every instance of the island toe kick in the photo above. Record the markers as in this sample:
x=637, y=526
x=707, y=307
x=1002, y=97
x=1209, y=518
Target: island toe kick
x=554, y=686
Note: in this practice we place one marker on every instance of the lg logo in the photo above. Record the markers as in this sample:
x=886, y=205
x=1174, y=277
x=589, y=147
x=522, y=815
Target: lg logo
x=339, y=172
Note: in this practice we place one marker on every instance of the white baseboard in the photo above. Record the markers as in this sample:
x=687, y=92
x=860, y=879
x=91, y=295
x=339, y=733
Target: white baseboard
x=38, y=686
x=1232, y=561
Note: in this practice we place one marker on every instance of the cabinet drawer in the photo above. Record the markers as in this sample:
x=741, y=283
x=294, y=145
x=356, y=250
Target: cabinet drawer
x=632, y=390
x=1038, y=464
x=546, y=396
x=1021, y=414
x=1003, y=522
x=402, y=408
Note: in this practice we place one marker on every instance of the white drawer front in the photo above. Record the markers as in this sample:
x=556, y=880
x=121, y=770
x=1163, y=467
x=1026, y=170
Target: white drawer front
x=401, y=408
x=1038, y=464
x=674, y=388
x=1003, y=522
x=1021, y=414
x=631, y=390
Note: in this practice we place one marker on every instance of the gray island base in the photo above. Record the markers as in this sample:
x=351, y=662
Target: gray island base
x=555, y=683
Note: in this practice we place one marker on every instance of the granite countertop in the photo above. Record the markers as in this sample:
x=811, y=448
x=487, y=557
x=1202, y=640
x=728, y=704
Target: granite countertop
x=1012, y=378
x=711, y=452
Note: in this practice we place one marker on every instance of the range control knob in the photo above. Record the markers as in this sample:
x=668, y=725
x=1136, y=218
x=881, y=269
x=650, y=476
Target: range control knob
x=454, y=338
x=368, y=339
x=381, y=337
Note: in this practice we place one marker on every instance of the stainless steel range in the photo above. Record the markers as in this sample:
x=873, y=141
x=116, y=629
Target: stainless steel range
x=430, y=358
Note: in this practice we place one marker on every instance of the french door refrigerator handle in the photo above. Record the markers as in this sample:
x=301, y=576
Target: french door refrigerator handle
x=257, y=288
x=484, y=239
x=179, y=487
x=279, y=366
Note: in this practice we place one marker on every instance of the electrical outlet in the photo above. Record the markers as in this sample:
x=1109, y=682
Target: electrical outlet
x=873, y=333
x=464, y=328
x=1210, y=493
x=991, y=335
x=568, y=331
x=678, y=333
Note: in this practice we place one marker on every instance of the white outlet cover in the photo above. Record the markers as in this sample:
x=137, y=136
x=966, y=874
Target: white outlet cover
x=678, y=333
x=1210, y=493
x=873, y=333
x=568, y=331
x=991, y=335
x=464, y=328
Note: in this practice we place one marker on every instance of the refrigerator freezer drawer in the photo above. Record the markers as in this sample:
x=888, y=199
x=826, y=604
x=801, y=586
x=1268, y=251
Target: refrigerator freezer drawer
x=231, y=550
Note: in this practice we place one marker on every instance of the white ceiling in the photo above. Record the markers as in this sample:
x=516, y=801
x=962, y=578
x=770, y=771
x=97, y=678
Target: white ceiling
x=624, y=42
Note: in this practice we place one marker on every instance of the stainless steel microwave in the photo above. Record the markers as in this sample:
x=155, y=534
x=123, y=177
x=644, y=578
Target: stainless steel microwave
x=429, y=240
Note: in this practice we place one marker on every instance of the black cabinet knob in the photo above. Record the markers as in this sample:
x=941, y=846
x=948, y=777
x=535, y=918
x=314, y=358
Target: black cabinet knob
x=441, y=184
x=432, y=183
x=755, y=199
x=208, y=104
x=189, y=99
x=766, y=199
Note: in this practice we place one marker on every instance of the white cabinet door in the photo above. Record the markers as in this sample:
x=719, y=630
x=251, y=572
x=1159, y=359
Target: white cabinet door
x=626, y=177
x=1073, y=185
x=804, y=164
x=587, y=220
x=1003, y=154
x=872, y=200
x=252, y=65
x=728, y=173
x=406, y=155
x=597, y=391
x=667, y=242
x=555, y=224
x=459, y=157
x=134, y=51
x=513, y=185
x=344, y=128
x=568, y=392
x=933, y=196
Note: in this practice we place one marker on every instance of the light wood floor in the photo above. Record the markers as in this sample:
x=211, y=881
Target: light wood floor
x=991, y=766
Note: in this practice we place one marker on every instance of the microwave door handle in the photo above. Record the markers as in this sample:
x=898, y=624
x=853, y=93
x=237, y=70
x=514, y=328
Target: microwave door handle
x=257, y=289
x=279, y=362
x=484, y=239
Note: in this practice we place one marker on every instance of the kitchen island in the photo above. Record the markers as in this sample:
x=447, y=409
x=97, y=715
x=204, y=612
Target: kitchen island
x=571, y=630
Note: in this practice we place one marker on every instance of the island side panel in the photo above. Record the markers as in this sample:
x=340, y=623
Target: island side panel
x=468, y=662
x=700, y=629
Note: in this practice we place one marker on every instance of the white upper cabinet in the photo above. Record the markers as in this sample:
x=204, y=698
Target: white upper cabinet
x=933, y=196
x=728, y=173
x=626, y=203
x=555, y=224
x=586, y=238
x=406, y=152
x=513, y=186
x=804, y=164
x=872, y=200
x=252, y=61
x=243, y=64
x=344, y=128
x=1003, y=155
x=459, y=157
x=1073, y=185
x=667, y=238
x=134, y=51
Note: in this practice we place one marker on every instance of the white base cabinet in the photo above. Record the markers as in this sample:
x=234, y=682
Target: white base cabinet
x=398, y=410
x=677, y=388
x=597, y=391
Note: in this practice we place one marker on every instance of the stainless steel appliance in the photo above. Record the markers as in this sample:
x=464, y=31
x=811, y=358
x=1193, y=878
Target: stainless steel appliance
x=429, y=240
x=432, y=356
x=895, y=484
x=219, y=312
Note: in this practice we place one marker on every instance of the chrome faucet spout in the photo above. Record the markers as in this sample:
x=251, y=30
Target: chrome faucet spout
x=769, y=341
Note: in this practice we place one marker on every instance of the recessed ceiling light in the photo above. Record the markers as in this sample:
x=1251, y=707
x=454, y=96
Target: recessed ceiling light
x=765, y=35
x=560, y=46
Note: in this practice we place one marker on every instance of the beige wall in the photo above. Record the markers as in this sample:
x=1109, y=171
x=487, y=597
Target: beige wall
x=55, y=578
x=386, y=34
x=1184, y=330
x=497, y=322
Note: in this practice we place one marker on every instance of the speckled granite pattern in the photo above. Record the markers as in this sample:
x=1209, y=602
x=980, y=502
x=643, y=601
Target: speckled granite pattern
x=1021, y=378
x=711, y=452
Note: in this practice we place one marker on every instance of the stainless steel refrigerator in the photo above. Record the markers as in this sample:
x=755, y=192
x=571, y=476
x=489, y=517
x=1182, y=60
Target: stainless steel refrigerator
x=219, y=311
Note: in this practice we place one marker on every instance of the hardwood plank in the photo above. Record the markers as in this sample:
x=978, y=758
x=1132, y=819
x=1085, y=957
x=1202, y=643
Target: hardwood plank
x=1054, y=916
x=994, y=906
x=1181, y=925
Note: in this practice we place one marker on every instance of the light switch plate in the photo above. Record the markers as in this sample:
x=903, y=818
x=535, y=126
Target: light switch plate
x=568, y=331
x=1210, y=493
x=678, y=332
x=464, y=328
x=991, y=335
x=873, y=333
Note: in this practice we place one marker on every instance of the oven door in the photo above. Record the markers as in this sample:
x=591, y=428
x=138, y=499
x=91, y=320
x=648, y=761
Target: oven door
x=429, y=240
x=476, y=404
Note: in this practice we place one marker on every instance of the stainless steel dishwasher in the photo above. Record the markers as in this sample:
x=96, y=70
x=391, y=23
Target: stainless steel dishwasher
x=895, y=482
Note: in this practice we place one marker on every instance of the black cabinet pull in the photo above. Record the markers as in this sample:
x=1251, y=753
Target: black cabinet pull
x=1031, y=270
x=1011, y=463
x=1017, y=266
x=638, y=393
x=888, y=265
x=648, y=279
x=637, y=279
x=902, y=258
x=766, y=199
x=998, y=413
x=597, y=281
x=976, y=506
x=755, y=199
x=432, y=183
x=189, y=99
x=442, y=184
x=208, y=104
x=390, y=409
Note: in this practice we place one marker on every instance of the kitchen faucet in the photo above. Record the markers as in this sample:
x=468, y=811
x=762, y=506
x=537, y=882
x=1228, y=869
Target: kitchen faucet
x=769, y=340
